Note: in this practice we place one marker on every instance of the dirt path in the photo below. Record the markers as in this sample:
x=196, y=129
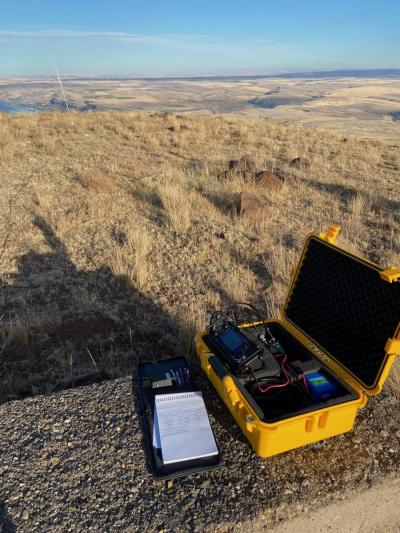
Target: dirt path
x=376, y=510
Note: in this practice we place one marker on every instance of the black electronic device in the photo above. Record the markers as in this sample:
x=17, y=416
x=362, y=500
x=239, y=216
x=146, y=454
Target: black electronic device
x=242, y=351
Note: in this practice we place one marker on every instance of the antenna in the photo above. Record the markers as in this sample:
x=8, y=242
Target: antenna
x=62, y=88
x=53, y=55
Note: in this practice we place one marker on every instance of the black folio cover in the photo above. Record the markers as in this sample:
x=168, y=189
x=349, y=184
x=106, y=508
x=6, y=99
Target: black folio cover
x=146, y=372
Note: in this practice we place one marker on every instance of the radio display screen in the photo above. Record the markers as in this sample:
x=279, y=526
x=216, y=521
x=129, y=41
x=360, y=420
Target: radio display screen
x=232, y=340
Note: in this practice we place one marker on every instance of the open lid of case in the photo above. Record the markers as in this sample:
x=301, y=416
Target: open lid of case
x=344, y=305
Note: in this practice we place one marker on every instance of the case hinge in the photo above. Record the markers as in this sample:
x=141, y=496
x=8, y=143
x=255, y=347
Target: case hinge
x=392, y=347
x=331, y=234
x=391, y=274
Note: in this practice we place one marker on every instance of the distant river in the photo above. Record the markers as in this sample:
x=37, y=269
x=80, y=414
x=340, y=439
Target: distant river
x=12, y=108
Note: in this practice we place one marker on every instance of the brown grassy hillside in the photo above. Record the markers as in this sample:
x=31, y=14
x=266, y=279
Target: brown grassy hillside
x=117, y=237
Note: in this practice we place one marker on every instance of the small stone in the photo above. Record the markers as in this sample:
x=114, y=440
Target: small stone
x=25, y=515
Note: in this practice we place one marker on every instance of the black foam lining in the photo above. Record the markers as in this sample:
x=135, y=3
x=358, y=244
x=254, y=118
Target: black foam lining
x=344, y=306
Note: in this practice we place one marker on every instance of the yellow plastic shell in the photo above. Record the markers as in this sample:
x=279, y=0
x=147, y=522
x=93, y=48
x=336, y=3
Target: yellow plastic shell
x=269, y=439
x=391, y=274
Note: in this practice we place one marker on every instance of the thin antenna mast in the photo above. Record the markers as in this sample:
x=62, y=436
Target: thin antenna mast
x=62, y=88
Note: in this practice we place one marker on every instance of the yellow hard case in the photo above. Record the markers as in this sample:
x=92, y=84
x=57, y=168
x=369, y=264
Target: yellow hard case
x=269, y=439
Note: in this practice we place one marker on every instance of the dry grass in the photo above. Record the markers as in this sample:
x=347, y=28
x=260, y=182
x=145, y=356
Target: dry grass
x=177, y=203
x=122, y=238
x=97, y=181
x=236, y=284
x=130, y=260
x=359, y=204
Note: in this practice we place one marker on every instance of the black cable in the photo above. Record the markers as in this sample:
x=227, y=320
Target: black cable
x=229, y=312
x=278, y=402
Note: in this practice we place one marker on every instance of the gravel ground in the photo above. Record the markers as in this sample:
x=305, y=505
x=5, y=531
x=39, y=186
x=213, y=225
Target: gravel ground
x=74, y=461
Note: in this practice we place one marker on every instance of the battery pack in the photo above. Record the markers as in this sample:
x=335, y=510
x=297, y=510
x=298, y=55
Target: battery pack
x=320, y=387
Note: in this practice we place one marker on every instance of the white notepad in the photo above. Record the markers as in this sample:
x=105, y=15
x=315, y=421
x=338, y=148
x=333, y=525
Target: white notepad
x=184, y=430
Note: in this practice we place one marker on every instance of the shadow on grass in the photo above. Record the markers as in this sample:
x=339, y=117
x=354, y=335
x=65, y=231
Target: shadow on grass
x=343, y=191
x=148, y=196
x=227, y=203
x=65, y=326
x=389, y=206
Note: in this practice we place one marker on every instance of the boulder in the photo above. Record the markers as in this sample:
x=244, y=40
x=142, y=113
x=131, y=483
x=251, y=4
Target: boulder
x=269, y=180
x=252, y=206
x=243, y=165
x=300, y=162
x=245, y=168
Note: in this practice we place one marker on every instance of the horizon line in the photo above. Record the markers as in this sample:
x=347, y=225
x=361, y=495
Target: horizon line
x=234, y=74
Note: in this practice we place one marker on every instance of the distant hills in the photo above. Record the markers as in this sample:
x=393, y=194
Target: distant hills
x=315, y=74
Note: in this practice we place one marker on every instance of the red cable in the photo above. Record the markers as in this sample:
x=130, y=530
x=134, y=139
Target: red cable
x=303, y=376
x=280, y=385
x=275, y=385
x=306, y=384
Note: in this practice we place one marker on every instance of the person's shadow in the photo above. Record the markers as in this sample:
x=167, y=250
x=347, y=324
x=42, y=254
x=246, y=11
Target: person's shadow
x=71, y=326
x=6, y=525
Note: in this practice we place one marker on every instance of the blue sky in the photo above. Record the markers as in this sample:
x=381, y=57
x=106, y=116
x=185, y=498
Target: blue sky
x=196, y=37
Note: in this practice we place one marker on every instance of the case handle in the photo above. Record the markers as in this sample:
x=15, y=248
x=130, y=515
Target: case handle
x=218, y=367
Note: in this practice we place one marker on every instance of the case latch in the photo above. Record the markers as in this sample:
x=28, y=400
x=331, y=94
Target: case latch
x=391, y=274
x=331, y=234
